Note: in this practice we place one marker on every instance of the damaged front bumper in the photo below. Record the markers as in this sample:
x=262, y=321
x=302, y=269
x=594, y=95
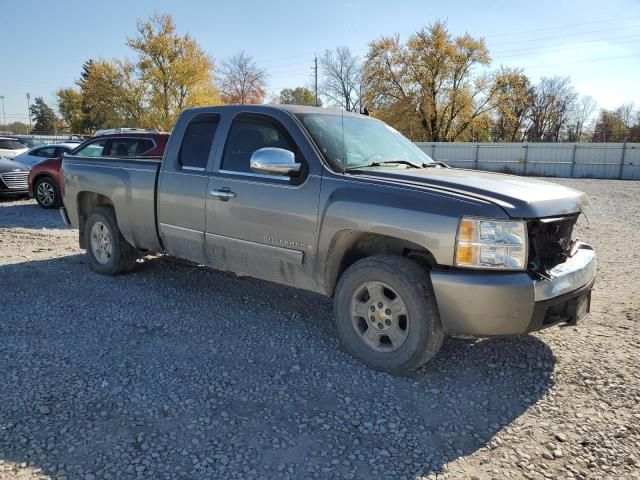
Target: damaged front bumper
x=510, y=303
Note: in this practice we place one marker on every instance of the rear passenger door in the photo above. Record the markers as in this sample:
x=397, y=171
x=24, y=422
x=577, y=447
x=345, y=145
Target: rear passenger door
x=266, y=227
x=182, y=191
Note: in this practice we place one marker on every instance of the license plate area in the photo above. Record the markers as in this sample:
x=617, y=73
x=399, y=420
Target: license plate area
x=570, y=312
x=582, y=307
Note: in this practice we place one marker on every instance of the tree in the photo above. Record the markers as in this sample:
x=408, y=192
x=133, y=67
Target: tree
x=15, y=127
x=43, y=117
x=341, y=78
x=582, y=112
x=627, y=114
x=175, y=72
x=553, y=102
x=298, y=96
x=610, y=128
x=428, y=84
x=88, y=116
x=70, y=108
x=112, y=96
x=511, y=102
x=241, y=80
x=619, y=125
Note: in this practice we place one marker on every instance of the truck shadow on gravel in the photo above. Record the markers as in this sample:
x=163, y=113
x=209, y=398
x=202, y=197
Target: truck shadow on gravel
x=26, y=213
x=176, y=370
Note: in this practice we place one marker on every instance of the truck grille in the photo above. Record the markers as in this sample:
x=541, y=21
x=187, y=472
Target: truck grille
x=15, y=180
x=550, y=242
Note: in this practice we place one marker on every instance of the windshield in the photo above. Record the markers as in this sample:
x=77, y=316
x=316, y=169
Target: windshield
x=11, y=145
x=31, y=142
x=349, y=141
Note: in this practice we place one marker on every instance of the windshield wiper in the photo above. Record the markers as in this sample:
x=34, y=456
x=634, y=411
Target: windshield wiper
x=381, y=164
x=435, y=163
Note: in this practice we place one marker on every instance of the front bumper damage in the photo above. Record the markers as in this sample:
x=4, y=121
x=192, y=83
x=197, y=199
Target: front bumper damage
x=504, y=303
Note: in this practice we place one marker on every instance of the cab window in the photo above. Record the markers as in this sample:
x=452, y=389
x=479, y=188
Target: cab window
x=248, y=134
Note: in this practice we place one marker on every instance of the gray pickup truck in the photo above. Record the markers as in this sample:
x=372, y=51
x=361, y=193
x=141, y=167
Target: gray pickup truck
x=342, y=204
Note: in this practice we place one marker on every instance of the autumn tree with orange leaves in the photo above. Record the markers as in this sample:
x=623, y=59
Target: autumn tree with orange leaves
x=241, y=80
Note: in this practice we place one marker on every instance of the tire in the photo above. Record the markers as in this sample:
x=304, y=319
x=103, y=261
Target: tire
x=108, y=251
x=380, y=280
x=47, y=193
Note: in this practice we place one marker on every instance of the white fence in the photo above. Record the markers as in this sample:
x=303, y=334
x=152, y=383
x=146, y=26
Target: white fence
x=577, y=160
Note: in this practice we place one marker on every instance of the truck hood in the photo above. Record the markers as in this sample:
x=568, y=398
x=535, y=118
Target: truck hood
x=520, y=197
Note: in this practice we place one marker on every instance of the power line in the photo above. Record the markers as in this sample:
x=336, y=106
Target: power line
x=531, y=49
x=554, y=27
x=602, y=59
x=287, y=57
x=531, y=53
x=290, y=64
x=290, y=72
x=565, y=35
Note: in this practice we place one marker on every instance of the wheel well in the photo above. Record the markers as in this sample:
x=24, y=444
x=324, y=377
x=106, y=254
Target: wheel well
x=350, y=246
x=87, y=203
x=40, y=176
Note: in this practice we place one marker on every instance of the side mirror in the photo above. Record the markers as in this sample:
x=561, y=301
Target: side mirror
x=274, y=161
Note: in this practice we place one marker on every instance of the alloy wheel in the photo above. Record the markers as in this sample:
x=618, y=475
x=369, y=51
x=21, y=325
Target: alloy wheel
x=101, y=242
x=380, y=316
x=45, y=193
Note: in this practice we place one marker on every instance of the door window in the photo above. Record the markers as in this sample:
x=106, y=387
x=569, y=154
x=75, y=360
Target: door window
x=197, y=141
x=94, y=149
x=248, y=134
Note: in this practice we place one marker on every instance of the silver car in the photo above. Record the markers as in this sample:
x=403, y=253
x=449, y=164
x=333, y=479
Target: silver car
x=41, y=153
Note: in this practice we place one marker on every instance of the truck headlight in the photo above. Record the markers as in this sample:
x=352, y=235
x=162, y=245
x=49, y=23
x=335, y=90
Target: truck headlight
x=489, y=243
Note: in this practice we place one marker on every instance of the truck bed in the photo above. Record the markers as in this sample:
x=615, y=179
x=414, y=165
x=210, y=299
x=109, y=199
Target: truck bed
x=129, y=183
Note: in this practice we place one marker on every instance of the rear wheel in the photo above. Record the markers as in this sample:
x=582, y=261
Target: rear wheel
x=108, y=251
x=386, y=314
x=47, y=193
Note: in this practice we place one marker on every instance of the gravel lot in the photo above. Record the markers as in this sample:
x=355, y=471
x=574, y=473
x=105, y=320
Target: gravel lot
x=176, y=371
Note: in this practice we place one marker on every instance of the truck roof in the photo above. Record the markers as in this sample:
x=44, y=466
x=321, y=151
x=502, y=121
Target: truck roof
x=266, y=108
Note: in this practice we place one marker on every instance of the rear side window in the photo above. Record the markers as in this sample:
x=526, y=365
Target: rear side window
x=130, y=147
x=62, y=150
x=11, y=145
x=46, y=152
x=197, y=141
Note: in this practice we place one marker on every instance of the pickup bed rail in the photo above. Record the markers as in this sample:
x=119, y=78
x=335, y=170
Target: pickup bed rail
x=127, y=184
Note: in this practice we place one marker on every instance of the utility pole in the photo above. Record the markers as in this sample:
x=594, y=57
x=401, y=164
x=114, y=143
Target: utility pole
x=4, y=116
x=29, y=109
x=316, y=76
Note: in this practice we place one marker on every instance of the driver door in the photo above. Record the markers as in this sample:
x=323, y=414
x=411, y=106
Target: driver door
x=265, y=225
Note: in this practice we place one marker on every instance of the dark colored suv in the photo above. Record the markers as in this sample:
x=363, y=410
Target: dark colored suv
x=44, y=178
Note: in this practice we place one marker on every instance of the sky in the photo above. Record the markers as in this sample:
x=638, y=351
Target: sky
x=597, y=44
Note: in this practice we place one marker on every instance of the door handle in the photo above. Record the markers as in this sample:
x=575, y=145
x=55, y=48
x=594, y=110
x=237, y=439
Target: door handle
x=223, y=194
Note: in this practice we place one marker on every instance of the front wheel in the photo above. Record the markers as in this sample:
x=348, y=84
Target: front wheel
x=386, y=314
x=108, y=251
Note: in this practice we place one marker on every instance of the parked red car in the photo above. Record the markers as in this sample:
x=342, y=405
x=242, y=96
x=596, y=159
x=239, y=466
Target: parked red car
x=44, y=177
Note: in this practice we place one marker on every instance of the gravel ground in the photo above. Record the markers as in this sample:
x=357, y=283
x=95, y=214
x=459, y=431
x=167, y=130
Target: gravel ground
x=176, y=371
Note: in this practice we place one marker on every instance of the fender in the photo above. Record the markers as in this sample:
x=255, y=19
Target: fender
x=424, y=219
